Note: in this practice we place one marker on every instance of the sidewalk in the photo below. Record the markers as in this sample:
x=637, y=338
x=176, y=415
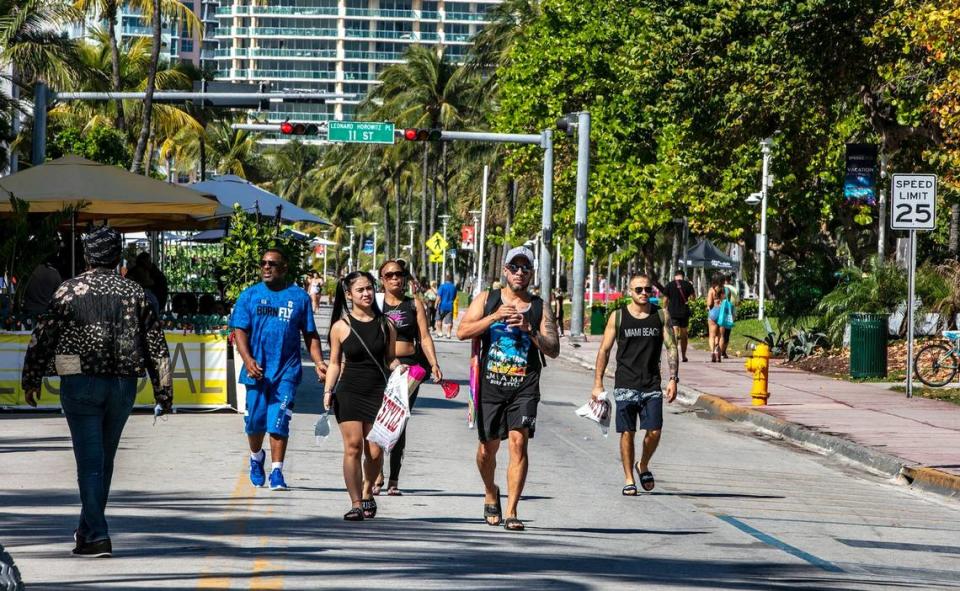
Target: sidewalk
x=916, y=440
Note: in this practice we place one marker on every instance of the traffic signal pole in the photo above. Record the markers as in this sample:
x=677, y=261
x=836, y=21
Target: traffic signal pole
x=580, y=225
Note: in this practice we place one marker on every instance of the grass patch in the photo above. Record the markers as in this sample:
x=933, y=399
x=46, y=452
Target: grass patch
x=945, y=394
x=738, y=335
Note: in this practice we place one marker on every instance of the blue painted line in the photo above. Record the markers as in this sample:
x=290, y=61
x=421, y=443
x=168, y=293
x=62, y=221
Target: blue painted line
x=772, y=541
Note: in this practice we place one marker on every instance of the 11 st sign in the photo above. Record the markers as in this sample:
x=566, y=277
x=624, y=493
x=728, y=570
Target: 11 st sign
x=360, y=132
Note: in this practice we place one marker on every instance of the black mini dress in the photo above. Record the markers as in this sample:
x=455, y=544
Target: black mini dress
x=359, y=391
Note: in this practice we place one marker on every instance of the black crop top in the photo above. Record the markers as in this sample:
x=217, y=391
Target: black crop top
x=404, y=317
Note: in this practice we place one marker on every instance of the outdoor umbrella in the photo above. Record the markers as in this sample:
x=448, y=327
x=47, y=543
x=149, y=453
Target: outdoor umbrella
x=128, y=201
x=705, y=254
x=232, y=190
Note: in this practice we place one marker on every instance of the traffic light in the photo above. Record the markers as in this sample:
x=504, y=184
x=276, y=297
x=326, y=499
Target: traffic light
x=567, y=124
x=287, y=128
x=422, y=135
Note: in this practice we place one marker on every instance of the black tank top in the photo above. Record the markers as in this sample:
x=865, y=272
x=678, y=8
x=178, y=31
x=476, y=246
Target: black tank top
x=359, y=361
x=404, y=318
x=639, y=343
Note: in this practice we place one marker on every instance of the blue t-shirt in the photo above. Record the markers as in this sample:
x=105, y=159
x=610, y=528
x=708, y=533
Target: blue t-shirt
x=446, y=294
x=274, y=321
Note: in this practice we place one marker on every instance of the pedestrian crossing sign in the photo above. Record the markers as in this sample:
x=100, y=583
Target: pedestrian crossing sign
x=436, y=257
x=437, y=245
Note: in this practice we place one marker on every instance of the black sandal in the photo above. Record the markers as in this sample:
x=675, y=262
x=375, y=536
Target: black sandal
x=494, y=511
x=629, y=490
x=646, y=479
x=355, y=514
x=369, y=507
x=513, y=524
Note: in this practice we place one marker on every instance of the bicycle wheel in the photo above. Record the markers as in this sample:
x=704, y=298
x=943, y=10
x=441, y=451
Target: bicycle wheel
x=936, y=365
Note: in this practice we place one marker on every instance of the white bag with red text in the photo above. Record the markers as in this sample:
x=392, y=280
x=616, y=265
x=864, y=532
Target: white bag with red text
x=394, y=412
x=597, y=410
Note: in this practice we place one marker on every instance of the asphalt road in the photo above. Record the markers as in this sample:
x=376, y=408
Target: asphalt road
x=732, y=510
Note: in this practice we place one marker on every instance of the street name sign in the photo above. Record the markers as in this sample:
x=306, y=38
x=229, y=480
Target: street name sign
x=437, y=244
x=360, y=132
x=913, y=202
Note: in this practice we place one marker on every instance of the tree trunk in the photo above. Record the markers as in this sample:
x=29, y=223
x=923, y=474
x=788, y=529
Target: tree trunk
x=396, y=224
x=111, y=16
x=954, y=242
x=386, y=229
x=151, y=87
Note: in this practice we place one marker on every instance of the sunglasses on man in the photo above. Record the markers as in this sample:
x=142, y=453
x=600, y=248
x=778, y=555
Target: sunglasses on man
x=394, y=275
x=271, y=264
x=519, y=268
x=643, y=290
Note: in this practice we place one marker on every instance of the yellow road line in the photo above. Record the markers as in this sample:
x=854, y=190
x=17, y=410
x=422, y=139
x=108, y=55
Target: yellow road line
x=237, y=501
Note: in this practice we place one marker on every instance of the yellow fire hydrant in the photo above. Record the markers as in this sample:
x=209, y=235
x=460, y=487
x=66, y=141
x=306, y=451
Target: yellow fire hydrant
x=759, y=366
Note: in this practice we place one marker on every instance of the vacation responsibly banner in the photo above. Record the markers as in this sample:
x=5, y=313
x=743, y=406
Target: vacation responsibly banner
x=860, y=181
x=199, y=366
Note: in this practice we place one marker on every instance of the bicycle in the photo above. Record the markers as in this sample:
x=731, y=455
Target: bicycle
x=937, y=364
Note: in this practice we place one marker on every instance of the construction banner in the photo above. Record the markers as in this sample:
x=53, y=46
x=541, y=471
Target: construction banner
x=199, y=366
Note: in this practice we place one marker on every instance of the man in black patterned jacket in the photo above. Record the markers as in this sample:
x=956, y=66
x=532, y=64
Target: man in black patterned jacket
x=100, y=335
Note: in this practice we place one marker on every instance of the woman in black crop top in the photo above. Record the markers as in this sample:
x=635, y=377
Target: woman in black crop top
x=361, y=357
x=414, y=347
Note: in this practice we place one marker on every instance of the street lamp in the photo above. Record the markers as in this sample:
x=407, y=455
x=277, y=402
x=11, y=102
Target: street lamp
x=326, y=247
x=443, y=264
x=350, y=250
x=475, y=214
x=411, y=224
x=761, y=197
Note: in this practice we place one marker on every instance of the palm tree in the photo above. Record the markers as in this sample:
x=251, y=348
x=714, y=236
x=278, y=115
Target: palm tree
x=107, y=10
x=293, y=168
x=491, y=46
x=425, y=91
x=190, y=20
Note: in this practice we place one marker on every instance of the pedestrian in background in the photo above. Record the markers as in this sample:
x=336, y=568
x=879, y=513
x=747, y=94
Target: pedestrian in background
x=362, y=344
x=715, y=297
x=100, y=336
x=268, y=321
x=41, y=286
x=732, y=296
x=516, y=332
x=313, y=289
x=414, y=346
x=446, y=294
x=678, y=294
x=430, y=299
x=640, y=331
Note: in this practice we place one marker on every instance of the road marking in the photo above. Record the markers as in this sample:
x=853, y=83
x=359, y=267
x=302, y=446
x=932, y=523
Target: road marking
x=774, y=542
x=236, y=529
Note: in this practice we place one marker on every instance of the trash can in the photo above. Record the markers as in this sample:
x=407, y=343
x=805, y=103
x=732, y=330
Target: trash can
x=868, y=345
x=598, y=319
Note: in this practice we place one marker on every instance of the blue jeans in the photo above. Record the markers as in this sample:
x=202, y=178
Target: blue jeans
x=96, y=409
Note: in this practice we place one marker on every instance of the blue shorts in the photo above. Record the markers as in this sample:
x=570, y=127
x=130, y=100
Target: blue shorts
x=637, y=410
x=269, y=408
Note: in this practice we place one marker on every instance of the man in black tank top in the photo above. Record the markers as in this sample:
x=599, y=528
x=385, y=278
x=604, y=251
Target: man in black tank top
x=515, y=330
x=640, y=330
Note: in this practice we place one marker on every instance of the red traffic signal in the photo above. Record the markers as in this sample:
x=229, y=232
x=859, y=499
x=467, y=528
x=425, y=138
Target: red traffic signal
x=422, y=135
x=287, y=128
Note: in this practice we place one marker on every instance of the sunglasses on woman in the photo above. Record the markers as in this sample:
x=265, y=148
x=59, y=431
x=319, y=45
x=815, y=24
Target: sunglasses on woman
x=641, y=290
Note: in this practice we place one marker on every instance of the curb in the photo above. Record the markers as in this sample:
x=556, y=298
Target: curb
x=922, y=478
x=918, y=477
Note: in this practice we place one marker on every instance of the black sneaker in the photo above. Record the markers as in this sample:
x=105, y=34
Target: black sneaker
x=98, y=549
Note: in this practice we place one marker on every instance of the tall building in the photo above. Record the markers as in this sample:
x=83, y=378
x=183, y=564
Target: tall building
x=334, y=45
x=178, y=45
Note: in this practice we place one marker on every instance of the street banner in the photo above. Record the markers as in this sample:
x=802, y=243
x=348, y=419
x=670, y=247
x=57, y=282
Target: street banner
x=199, y=367
x=860, y=181
x=368, y=246
x=468, y=237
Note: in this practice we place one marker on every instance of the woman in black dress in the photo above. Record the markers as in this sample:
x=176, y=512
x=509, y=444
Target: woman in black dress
x=414, y=347
x=362, y=344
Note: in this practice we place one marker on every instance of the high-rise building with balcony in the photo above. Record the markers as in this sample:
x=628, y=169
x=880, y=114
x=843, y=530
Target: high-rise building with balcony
x=334, y=45
x=178, y=45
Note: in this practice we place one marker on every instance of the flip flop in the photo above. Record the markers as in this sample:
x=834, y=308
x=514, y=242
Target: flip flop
x=629, y=490
x=646, y=479
x=493, y=510
x=513, y=524
x=393, y=491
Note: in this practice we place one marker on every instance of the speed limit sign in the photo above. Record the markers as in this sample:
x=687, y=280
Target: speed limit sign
x=913, y=203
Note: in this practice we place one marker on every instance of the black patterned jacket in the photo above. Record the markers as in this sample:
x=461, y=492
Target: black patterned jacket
x=99, y=324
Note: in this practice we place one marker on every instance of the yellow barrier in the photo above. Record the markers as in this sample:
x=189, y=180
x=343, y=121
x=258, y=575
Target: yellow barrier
x=199, y=367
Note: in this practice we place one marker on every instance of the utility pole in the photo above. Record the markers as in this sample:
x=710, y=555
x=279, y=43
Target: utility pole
x=765, y=148
x=483, y=229
x=582, y=126
x=443, y=266
x=546, y=232
x=350, y=250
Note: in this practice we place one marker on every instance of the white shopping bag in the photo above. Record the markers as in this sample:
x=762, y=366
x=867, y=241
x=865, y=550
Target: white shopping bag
x=394, y=412
x=597, y=410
